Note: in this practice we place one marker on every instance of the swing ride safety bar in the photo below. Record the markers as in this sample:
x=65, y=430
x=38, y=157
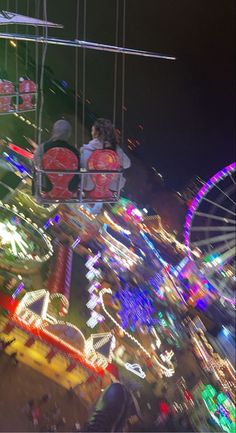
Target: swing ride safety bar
x=85, y=44
x=15, y=108
x=81, y=193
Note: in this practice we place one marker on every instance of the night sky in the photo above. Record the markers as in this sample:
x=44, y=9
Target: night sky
x=186, y=107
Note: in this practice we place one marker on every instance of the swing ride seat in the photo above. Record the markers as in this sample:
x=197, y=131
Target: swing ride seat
x=6, y=91
x=27, y=92
x=61, y=159
x=11, y=95
x=103, y=160
x=60, y=166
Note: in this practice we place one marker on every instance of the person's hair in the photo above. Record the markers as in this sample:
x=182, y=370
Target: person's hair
x=106, y=133
x=61, y=130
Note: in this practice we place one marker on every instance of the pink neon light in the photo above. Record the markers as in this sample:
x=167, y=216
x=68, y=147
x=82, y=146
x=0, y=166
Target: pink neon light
x=231, y=301
x=20, y=151
x=203, y=191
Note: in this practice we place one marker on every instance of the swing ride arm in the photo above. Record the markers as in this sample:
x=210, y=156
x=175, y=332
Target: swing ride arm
x=85, y=44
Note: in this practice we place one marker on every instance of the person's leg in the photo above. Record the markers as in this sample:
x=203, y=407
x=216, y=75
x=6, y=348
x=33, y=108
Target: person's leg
x=111, y=410
x=96, y=209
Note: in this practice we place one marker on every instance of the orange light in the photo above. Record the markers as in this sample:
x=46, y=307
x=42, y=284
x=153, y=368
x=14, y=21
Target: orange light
x=13, y=44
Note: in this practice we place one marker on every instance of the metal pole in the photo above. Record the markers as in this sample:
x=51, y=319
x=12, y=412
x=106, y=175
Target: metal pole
x=85, y=44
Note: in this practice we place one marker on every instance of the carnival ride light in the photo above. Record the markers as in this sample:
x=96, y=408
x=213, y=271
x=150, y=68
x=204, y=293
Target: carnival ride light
x=94, y=319
x=45, y=238
x=42, y=322
x=136, y=307
x=153, y=249
x=221, y=408
x=167, y=371
x=117, y=226
x=93, y=275
x=92, y=261
x=120, y=249
x=9, y=235
x=96, y=342
x=19, y=288
x=135, y=369
x=76, y=242
x=19, y=150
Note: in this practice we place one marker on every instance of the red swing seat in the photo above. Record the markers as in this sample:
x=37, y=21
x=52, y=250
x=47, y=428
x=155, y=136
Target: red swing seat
x=27, y=86
x=59, y=158
x=6, y=88
x=102, y=160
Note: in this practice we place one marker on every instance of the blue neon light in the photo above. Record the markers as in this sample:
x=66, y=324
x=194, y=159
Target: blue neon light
x=154, y=250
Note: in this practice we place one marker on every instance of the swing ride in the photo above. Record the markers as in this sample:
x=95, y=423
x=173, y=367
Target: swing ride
x=59, y=166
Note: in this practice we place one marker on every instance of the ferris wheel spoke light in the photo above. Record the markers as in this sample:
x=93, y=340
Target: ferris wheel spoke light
x=214, y=239
x=228, y=255
x=226, y=195
x=13, y=247
x=231, y=177
x=213, y=228
x=219, y=206
x=214, y=217
x=225, y=246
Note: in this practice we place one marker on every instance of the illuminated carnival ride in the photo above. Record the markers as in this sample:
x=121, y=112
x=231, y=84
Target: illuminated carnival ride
x=23, y=244
x=210, y=231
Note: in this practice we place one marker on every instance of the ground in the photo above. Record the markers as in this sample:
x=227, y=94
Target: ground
x=19, y=384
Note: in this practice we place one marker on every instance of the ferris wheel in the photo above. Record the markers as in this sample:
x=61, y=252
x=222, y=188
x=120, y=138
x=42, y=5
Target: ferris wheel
x=210, y=229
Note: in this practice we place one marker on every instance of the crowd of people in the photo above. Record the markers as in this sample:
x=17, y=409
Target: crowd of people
x=45, y=414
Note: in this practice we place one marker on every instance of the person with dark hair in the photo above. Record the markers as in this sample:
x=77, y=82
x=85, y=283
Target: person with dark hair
x=104, y=137
x=61, y=133
x=104, y=130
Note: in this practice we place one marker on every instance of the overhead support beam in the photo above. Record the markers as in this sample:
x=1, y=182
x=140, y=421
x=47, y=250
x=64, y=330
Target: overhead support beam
x=84, y=44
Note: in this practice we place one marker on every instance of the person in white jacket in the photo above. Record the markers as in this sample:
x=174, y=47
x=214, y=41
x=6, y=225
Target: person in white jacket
x=104, y=136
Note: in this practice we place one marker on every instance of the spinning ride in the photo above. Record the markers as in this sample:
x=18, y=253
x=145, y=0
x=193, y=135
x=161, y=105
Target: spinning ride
x=22, y=242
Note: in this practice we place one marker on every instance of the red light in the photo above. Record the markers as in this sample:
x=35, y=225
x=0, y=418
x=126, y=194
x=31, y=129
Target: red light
x=187, y=395
x=20, y=151
x=164, y=408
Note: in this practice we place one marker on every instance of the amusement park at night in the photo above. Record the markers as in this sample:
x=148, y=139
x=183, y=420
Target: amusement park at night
x=117, y=216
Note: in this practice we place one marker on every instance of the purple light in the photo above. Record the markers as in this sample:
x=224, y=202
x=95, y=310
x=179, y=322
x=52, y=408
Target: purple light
x=19, y=288
x=57, y=218
x=194, y=205
x=76, y=242
x=231, y=301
